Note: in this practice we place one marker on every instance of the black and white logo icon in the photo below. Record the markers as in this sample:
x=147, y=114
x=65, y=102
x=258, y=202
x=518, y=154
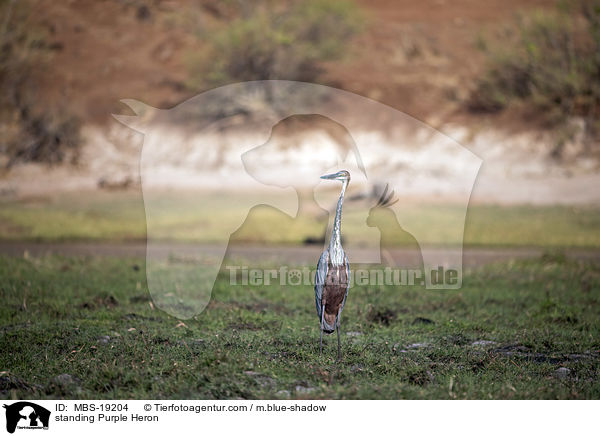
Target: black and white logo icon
x=26, y=415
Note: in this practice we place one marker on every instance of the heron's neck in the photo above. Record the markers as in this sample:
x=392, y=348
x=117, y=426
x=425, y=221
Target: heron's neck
x=335, y=245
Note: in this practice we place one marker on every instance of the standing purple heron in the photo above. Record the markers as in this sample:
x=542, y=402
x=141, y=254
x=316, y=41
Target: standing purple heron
x=333, y=272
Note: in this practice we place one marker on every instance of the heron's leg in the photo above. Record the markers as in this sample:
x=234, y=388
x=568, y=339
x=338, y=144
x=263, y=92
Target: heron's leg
x=322, y=318
x=337, y=327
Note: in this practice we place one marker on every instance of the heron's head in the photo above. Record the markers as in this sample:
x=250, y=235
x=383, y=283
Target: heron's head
x=342, y=176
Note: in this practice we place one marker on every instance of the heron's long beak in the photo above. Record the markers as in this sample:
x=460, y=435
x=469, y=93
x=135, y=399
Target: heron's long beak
x=330, y=176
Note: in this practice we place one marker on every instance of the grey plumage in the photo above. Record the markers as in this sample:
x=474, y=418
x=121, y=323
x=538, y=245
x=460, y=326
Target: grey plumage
x=333, y=273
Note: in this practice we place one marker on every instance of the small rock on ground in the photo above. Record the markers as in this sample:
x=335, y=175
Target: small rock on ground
x=64, y=384
x=417, y=345
x=562, y=372
x=304, y=390
x=356, y=368
x=482, y=343
x=262, y=380
x=411, y=347
x=10, y=382
x=421, y=320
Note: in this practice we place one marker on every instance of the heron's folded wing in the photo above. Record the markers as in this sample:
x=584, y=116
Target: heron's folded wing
x=348, y=278
x=320, y=278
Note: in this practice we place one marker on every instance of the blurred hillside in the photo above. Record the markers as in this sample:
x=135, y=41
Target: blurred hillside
x=418, y=57
x=68, y=64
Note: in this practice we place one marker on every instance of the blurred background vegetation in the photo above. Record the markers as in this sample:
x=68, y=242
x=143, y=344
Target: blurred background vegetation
x=66, y=65
x=274, y=40
x=31, y=129
x=548, y=61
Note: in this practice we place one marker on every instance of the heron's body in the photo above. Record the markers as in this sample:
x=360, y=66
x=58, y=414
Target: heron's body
x=330, y=293
x=333, y=272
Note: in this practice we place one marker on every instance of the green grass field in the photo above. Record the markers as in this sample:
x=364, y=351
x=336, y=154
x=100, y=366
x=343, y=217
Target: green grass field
x=505, y=334
x=119, y=216
x=86, y=327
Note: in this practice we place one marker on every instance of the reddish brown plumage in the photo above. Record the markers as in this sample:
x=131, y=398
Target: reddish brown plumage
x=334, y=291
